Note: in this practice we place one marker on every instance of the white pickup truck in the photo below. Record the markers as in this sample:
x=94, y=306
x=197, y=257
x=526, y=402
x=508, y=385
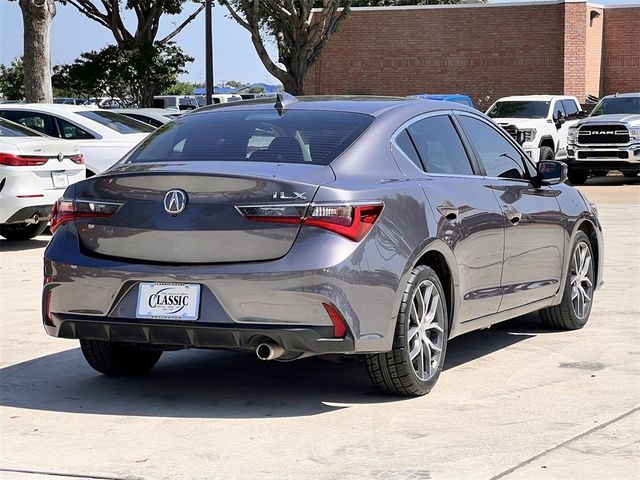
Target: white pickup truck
x=539, y=123
x=609, y=139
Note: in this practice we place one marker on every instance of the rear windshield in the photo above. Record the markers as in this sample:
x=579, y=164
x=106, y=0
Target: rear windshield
x=298, y=136
x=116, y=121
x=512, y=109
x=10, y=129
x=617, y=105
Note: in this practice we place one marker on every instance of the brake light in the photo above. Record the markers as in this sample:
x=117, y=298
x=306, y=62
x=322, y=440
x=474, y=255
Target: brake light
x=350, y=221
x=79, y=158
x=18, y=161
x=65, y=210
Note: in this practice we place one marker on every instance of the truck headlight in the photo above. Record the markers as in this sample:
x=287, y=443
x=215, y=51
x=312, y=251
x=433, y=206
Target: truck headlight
x=572, y=134
x=528, y=134
x=634, y=133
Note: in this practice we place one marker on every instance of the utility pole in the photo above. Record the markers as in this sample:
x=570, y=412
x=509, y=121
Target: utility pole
x=208, y=40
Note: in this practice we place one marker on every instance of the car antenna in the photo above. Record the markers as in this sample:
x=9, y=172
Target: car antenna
x=283, y=100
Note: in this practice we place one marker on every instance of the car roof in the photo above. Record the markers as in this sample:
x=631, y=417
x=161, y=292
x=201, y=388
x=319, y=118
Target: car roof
x=631, y=94
x=148, y=111
x=48, y=107
x=542, y=98
x=370, y=105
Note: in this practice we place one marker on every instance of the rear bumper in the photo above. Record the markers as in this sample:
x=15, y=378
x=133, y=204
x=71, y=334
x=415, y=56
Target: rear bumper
x=294, y=339
x=283, y=296
x=31, y=213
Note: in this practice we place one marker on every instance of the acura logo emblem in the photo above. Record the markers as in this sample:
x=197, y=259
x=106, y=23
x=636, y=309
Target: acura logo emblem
x=175, y=201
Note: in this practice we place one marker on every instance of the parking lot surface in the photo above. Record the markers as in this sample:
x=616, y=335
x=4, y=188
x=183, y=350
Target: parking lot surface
x=515, y=401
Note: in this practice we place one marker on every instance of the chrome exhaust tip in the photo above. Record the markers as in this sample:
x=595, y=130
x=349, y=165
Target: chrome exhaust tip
x=269, y=351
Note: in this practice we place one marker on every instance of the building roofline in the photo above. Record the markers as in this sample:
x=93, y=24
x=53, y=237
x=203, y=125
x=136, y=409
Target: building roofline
x=530, y=3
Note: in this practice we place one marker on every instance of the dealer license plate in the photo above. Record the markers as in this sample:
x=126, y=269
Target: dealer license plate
x=60, y=179
x=171, y=301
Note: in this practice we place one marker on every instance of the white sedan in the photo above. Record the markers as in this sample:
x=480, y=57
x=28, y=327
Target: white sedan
x=102, y=135
x=34, y=171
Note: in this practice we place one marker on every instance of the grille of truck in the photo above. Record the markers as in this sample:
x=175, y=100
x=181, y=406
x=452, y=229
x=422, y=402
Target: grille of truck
x=623, y=154
x=603, y=134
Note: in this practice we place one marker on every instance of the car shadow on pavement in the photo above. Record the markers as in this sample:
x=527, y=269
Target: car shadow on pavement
x=18, y=246
x=613, y=180
x=221, y=384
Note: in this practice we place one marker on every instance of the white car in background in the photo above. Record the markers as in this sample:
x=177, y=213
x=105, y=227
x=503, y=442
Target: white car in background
x=102, y=135
x=35, y=170
x=156, y=117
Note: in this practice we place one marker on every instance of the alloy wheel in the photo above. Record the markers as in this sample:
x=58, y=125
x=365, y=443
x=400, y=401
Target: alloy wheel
x=581, y=280
x=426, y=330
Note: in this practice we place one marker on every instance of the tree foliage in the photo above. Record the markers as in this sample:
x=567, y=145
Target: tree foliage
x=137, y=72
x=108, y=13
x=12, y=79
x=299, y=34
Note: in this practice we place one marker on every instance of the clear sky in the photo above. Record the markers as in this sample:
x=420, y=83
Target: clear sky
x=72, y=34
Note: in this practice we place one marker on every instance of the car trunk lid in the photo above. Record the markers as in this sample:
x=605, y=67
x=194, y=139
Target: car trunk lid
x=152, y=225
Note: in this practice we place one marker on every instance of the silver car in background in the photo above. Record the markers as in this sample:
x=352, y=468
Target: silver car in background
x=373, y=226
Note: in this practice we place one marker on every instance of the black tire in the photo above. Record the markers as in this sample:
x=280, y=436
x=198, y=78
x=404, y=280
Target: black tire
x=630, y=174
x=546, y=153
x=393, y=372
x=563, y=316
x=600, y=173
x=577, y=177
x=22, y=231
x=119, y=359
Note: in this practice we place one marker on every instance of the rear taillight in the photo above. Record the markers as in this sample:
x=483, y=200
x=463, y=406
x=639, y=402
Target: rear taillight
x=352, y=221
x=20, y=161
x=66, y=209
x=79, y=158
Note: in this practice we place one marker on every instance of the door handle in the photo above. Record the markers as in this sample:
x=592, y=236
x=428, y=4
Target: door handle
x=513, y=215
x=448, y=210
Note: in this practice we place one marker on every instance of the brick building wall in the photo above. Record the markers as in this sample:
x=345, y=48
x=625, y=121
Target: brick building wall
x=483, y=51
x=621, y=50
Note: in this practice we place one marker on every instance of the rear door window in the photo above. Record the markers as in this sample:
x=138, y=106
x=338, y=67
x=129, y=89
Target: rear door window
x=69, y=131
x=405, y=144
x=40, y=122
x=296, y=136
x=439, y=146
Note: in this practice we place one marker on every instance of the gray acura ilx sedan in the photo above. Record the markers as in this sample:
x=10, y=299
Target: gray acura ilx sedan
x=373, y=226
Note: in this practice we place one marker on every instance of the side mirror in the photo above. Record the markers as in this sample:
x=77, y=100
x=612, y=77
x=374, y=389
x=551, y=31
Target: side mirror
x=560, y=119
x=550, y=172
x=582, y=114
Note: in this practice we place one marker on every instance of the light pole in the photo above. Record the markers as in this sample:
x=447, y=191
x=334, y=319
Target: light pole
x=208, y=40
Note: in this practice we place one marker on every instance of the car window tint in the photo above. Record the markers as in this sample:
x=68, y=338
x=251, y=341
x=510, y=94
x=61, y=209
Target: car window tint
x=11, y=129
x=439, y=146
x=40, y=122
x=499, y=157
x=557, y=109
x=404, y=143
x=304, y=136
x=570, y=108
x=69, y=131
x=116, y=122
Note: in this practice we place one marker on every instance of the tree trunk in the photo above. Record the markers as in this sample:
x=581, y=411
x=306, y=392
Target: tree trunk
x=37, y=16
x=293, y=84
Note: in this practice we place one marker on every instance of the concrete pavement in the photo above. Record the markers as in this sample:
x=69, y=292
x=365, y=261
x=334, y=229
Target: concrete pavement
x=515, y=402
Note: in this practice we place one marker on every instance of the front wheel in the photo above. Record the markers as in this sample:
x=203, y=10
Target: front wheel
x=630, y=174
x=119, y=359
x=22, y=231
x=413, y=365
x=546, y=153
x=573, y=311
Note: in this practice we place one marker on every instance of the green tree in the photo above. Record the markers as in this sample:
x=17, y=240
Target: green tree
x=12, y=79
x=256, y=89
x=117, y=72
x=179, y=88
x=140, y=48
